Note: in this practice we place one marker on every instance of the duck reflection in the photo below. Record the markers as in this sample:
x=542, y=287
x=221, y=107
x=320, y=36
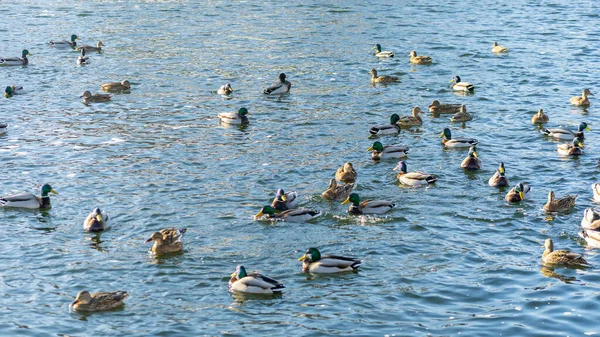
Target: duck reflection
x=549, y=272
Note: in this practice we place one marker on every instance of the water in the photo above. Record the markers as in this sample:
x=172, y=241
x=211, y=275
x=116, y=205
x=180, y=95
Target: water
x=451, y=259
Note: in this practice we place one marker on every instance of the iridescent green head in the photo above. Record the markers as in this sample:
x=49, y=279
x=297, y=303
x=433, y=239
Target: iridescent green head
x=584, y=126
x=45, y=189
x=24, y=53
x=394, y=119
x=577, y=142
x=282, y=77
x=73, y=38
x=400, y=167
x=243, y=111
x=446, y=134
x=82, y=52
x=353, y=198
x=311, y=255
x=8, y=91
x=378, y=47
x=501, y=169
x=377, y=146
x=240, y=272
x=268, y=210
x=473, y=152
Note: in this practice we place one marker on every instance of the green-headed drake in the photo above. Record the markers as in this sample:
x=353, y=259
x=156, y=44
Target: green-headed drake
x=292, y=215
x=28, y=200
x=225, y=89
x=235, y=118
x=461, y=86
x=96, y=221
x=253, y=283
x=367, y=206
x=386, y=129
x=280, y=87
x=570, y=149
x=380, y=152
x=517, y=193
x=472, y=161
x=284, y=201
x=415, y=179
x=313, y=262
x=459, y=142
x=82, y=59
x=565, y=134
x=65, y=43
x=499, y=179
x=380, y=53
x=16, y=61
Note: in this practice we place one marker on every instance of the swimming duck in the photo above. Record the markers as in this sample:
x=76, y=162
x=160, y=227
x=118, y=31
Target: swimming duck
x=3, y=128
x=95, y=98
x=565, y=134
x=414, y=120
x=225, y=89
x=438, y=108
x=583, y=99
x=590, y=219
x=96, y=221
x=346, y=173
x=461, y=86
x=499, y=179
x=116, y=86
x=98, y=47
x=337, y=193
x=168, y=240
x=313, y=262
x=15, y=61
x=82, y=59
x=414, y=59
x=387, y=152
x=499, y=49
x=389, y=129
x=540, y=118
x=254, y=283
x=65, y=43
x=381, y=79
x=413, y=178
x=565, y=257
x=11, y=90
x=284, y=201
x=517, y=193
x=367, y=206
x=472, y=161
x=462, y=116
x=98, y=301
x=382, y=54
x=572, y=149
x=292, y=215
x=596, y=190
x=559, y=205
x=236, y=118
x=281, y=87
x=460, y=142
x=28, y=200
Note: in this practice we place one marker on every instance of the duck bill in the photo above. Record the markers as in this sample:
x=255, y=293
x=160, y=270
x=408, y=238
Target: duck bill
x=522, y=195
x=588, y=128
x=452, y=80
x=74, y=302
x=283, y=197
x=99, y=217
x=346, y=201
x=53, y=192
x=370, y=148
x=258, y=215
x=475, y=154
x=442, y=135
x=149, y=240
x=302, y=258
x=501, y=170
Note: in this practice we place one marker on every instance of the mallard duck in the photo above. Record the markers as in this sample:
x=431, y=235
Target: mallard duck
x=559, y=205
x=583, y=99
x=116, y=86
x=98, y=301
x=517, y=193
x=225, y=89
x=389, y=129
x=499, y=49
x=95, y=98
x=168, y=240
x=313, y=262
x=590, y=219
x=387, y=152
x=596, y=190
x=572, y=149
x=414, y=59
x=3, y=128
x=438, y=108
x=236, y=118
x=11, y=90
x=337, y=193
x=346, y=173
x=566, y=134
x=96, y=221
x=472, y=161
x=461, y=86
x=381, y=79
x=28, y=200
x=565, y=257
x=448, y=141
x=413, y=120
x=540, y=118
x=292, y=215
x=254, y=283
x=65, y=43
x=82, y=59
x=413, y=178
x=98, y=47
x=367, y=206
x=281, y=87
x=591, y=237
x=284, y=201
x=462, y=116
x=15, y=61
x=499, y=179
x=382, y=54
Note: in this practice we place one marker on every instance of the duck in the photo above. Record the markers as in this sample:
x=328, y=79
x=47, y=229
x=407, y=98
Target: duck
x=499, y=179
x=82, y=59
x=565, y=257
x=540, y=118
x=413, y=120
x=367, y=206
x=116, y=86
x=314, y=262
x=596, y=190
x=448, y=141
x=461, y=86
x=96, y=221
x=346, y=173
x=414, y=179
x=414, y=59
x=438, y=108
x=381, y=54
x=499, y=49
x=388, y=129
x=565, y=134
x=462, y=116
x=99, y=301
x=561, y=204
x=472, y=161
x=16, y=61
x=3, y=128
x=236, y=118
x=284, y=201
x=382, y=78
x=281, y=87
x=583, y=99
x=253, y=283
x=98, y=47
x=225, y=89
x=380, y=152
x=572, y=149
x=65, y=43
x=167, y=240
x=591, y=237
x=11, y=90
x=95, y=98
x=590, y=219
x=337, y=192
x=292, y=215
x=28, y=200
x=517, y=193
